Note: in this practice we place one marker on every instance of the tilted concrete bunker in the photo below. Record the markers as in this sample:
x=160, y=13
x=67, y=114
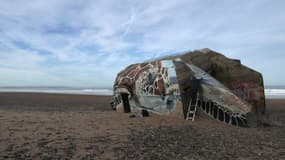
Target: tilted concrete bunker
x=220, y=87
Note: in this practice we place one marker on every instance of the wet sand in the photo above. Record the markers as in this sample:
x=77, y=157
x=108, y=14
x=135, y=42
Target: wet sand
x=57, y=126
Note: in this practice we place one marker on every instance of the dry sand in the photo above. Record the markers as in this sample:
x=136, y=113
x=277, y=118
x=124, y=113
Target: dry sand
x=55, y=126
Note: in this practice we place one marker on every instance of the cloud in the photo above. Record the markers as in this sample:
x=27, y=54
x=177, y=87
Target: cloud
x=88, y=42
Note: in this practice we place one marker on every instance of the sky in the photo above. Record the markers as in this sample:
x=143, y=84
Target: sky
x=87, y=42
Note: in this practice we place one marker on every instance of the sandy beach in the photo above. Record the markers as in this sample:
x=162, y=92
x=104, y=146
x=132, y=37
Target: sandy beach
x=58, y=126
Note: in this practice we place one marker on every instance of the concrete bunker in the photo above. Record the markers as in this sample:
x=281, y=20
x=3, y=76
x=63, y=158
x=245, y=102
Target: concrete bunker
x=220, y=87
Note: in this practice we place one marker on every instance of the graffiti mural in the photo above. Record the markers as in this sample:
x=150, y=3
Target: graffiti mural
x=153, y=83
x=249, y=91
x=159, y=85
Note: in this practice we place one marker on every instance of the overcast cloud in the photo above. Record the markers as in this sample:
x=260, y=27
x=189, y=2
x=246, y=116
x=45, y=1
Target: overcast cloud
x=85, y=43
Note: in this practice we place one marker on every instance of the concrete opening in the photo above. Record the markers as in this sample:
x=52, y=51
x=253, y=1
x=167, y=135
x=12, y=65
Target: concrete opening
x=127, y=108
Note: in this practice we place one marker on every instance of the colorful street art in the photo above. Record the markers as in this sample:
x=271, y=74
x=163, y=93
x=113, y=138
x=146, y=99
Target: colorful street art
x=153, y=83
x=167, y=84
x=249, y=91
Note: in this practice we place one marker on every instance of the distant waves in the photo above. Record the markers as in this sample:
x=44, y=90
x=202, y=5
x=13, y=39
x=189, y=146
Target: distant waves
x=269, y=93
x=275, y=93
x=58, y=90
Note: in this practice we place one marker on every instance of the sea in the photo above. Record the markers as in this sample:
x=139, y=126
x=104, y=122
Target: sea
x=60, y=90
x=274, y=92
x=271, y=92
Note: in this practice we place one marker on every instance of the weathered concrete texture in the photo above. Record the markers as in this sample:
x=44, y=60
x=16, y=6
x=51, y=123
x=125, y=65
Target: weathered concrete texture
x=228, y=91
x=245, y=82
